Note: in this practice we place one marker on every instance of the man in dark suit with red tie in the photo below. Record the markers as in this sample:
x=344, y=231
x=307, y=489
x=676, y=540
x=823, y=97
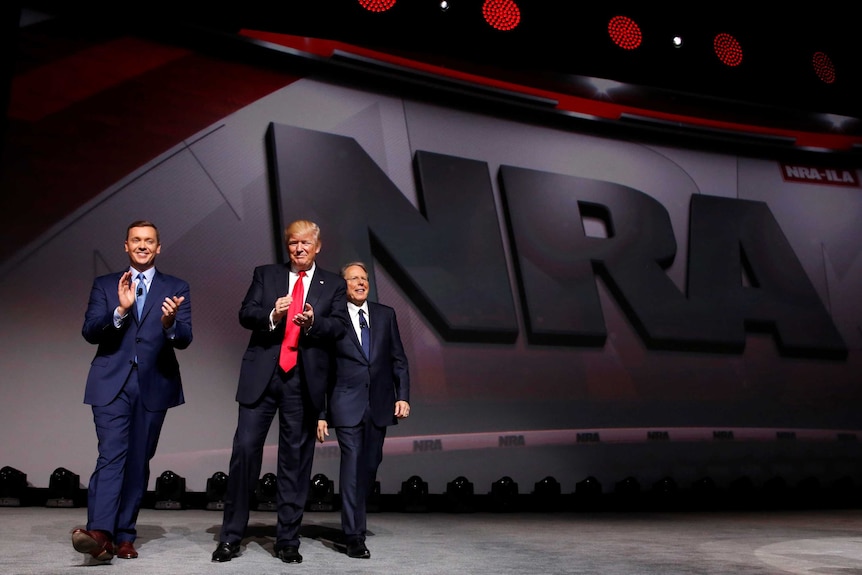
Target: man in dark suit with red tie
x=371, y=391
x=137, y=317
x=292, y=313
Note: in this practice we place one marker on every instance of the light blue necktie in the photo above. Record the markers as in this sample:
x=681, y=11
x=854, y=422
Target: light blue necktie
x=141, y=295
x=365, y=334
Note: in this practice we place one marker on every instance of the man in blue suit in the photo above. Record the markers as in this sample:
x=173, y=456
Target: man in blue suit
x=292, y=313
x=371, y=391
x=137, y=318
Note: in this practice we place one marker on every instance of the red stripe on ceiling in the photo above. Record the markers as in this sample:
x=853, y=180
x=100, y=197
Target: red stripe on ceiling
x=58, y=84
x=601, y=109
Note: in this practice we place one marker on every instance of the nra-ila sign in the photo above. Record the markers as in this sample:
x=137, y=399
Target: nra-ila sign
x=819, y=175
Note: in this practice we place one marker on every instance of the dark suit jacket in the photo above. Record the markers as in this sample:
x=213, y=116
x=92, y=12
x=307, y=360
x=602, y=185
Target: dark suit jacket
x=380, y=381
x=158, y=370
x=326, y=294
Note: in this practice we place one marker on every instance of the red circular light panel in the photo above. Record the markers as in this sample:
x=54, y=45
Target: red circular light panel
x=625, y=32
x=823, y=67
x=501, y=14
x=377, y=5
x=728, y=49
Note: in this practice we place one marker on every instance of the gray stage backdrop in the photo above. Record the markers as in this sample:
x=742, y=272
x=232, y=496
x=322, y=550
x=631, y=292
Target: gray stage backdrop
x=482, y=410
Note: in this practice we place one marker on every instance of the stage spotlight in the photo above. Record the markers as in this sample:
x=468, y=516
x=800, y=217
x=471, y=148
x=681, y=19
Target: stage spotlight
x=170, y=491
x=809, y=492
x=459, y=495
x=547, y=495
x=503, y=15
x=321, y=496
x=589, y=487
x=627, y=486
x=13, y=487
x=414, y=495
x=444, y=5
x=265, y=494
x=627, y=492
x=216, y=489
x=705, y=493
x=823, y=67
x=665, y=492
x=377, y=5
x=728, y=49
x=504, y=495
x=372, y=503
x=775, y=491
x=625, y=32
x=63, y=488
x=677, y=41
x=741, y=492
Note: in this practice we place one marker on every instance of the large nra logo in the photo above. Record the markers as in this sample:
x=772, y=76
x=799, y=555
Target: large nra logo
x=449, y=257
x=819, y=175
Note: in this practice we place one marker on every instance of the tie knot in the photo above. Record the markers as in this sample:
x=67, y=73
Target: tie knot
x=302, y=274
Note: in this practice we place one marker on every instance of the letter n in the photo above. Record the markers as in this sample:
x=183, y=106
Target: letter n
x=447, y=254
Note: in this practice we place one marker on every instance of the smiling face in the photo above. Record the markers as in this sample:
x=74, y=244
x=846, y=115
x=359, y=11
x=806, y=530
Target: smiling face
x=302, y=247
x=142, y=245
x=357, y=284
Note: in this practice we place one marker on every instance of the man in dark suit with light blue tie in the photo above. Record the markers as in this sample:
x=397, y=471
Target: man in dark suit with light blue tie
x=292, y=313
x=371, y=391
x=137, y=318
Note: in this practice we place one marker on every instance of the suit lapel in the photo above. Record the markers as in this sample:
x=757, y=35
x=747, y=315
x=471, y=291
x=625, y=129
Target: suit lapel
x=375, y=320
x=316, y=287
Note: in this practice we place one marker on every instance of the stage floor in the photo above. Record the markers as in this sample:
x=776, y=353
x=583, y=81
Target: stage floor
x=37, y=540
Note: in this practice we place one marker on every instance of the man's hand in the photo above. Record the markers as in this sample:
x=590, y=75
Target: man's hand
x=280, y=308
x=169, y=310
x=306, y=318
x=126, y=293
x=322, y=430
x=402, y=409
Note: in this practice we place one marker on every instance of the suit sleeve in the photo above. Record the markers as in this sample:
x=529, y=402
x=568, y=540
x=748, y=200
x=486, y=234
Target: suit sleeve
x=400, y=369
x=254, y=311
x=99, y=317
x=183, y=322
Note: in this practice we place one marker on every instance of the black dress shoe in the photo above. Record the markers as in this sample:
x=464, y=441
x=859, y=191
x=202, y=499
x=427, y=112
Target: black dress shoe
x=289, y=554
x=225, y=552
x=358, y=550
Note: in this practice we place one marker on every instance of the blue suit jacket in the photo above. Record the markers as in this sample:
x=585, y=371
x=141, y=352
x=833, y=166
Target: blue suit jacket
x=158, y=369
x=379, y=381
x=326, y=294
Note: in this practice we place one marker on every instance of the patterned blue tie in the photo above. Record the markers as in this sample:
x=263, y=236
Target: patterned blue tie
x=365, y=340
x=141, y=294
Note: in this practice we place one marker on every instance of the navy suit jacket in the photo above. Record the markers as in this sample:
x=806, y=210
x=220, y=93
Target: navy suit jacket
x=144, y=339
x=379, y=381
x=326, y=294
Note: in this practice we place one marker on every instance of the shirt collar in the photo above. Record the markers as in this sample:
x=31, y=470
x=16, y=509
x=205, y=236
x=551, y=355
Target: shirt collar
x=148, y=274
x=354, y=309
x=308, y=273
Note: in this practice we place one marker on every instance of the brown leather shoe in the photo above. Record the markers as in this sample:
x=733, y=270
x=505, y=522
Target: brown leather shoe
x=97, y=543
x=126, y=550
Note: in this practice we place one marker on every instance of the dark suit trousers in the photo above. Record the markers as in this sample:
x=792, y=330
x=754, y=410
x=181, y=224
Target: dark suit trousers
x=128, y=435
x=297, y=422
x=361, y=453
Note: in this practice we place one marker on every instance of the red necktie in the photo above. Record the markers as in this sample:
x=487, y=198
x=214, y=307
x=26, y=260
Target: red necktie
x=287, y=357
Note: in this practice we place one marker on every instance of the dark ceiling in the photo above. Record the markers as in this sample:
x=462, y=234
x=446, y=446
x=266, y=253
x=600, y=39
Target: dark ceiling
x=567, y=37
x=558, y=41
